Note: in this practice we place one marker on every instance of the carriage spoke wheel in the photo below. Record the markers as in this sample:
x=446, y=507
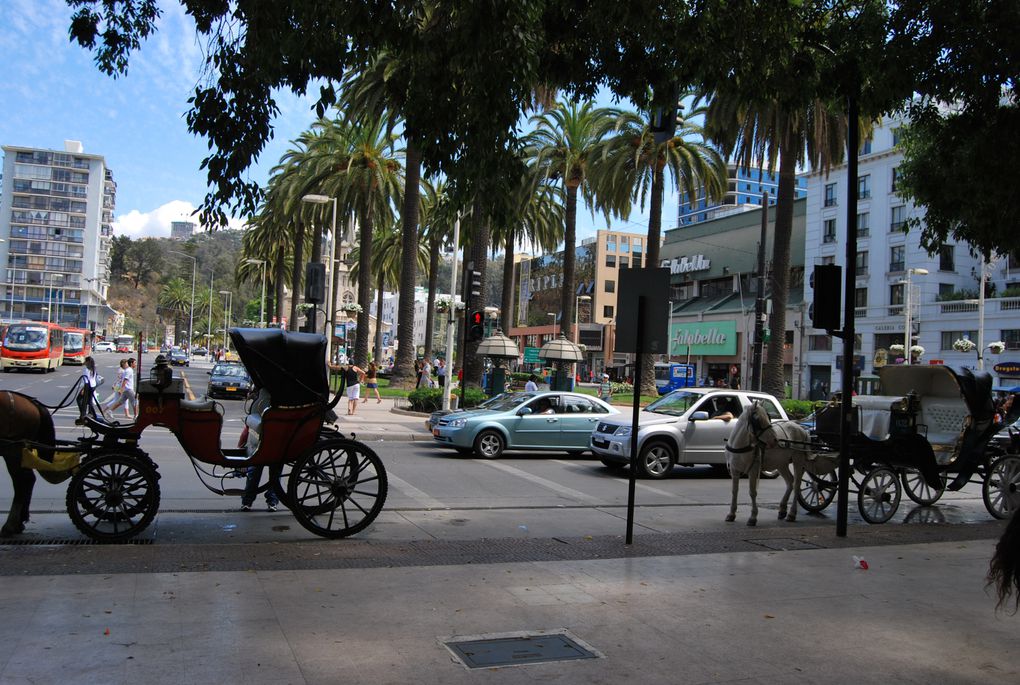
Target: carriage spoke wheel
x=114, y=496
x=337, y=488
x=815, y=493
x=919, y=491
x=879, y=495
x=1000, y=485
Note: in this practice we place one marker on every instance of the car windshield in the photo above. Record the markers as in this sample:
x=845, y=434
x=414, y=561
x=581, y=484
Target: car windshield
x=508, y=401
x=675, y=403
x=26, y=338
x=232, y=370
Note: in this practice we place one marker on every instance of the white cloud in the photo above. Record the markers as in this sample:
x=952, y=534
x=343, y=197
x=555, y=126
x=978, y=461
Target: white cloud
x=156, y=224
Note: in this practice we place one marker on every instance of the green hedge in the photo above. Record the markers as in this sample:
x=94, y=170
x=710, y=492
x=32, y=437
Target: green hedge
x=798, y=409
x=431, y=399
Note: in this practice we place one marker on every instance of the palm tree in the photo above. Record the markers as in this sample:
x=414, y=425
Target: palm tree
x=564, y=149
x=762, y=134
x=175, y=302
x=437, y=217
x=635, y=164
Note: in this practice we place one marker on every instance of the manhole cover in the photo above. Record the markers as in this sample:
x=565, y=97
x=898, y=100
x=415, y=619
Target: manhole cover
x=514, y=649
x=784, y=544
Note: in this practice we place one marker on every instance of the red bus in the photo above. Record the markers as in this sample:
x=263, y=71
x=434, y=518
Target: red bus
x=32, y=345
x=76, y=345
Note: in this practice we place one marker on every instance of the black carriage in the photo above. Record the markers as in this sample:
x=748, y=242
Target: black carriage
x=333, y=485
x=930, y=431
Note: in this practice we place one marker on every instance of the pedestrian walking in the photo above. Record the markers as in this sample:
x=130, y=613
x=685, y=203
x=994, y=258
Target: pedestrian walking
x=605, y=389
x=353, y=376
x=532, y=384
x=118, y=386
x=90, y=380
x=372, y=382
x=425, y=380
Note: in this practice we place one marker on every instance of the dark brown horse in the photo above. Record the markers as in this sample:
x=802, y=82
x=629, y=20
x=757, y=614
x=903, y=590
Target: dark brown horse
x=22, y=418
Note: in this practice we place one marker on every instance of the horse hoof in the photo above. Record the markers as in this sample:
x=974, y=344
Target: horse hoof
x=752, y=522
x=782, y=514
x=791, y=519
x=730, y=518
x=9, y=530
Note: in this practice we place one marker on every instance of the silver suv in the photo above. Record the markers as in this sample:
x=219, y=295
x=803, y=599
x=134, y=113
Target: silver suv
x=685, y=427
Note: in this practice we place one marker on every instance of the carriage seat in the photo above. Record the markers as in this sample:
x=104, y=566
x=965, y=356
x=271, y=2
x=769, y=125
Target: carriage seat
x=874, y=412
x=944, y=419
x=199, y=405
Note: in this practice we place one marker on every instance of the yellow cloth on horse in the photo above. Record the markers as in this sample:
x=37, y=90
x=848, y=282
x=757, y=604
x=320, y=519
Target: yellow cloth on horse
x=62, y=461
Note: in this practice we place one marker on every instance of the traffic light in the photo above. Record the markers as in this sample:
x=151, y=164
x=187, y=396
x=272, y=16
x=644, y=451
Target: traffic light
x=475, y=283
x=315, y=282
x=476, y=326
x=826, y=281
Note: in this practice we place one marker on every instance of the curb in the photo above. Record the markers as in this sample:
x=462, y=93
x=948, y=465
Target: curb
x=408, y=412
x=369, y=436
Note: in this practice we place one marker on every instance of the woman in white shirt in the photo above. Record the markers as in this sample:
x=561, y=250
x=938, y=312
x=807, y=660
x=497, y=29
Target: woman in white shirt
x=90, y=380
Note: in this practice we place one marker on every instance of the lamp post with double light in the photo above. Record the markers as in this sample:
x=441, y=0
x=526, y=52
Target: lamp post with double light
x=907, y=333
x=262, y=300
x=330, y=315
x=191, y=319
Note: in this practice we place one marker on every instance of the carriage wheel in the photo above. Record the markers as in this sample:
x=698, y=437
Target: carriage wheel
x=113, y=496
x=1001, y=484
x=815, y=493
x=879, y=495
x=919, y=491
x=337, y=488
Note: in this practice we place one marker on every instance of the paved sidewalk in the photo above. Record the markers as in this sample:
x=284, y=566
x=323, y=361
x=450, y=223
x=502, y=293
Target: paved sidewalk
x=382, y=421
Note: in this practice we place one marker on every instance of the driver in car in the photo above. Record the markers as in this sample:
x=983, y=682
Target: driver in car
x=544, y=406
x=722, y=408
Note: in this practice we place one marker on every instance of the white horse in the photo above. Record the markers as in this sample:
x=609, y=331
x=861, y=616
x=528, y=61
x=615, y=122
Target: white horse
x=755, y=444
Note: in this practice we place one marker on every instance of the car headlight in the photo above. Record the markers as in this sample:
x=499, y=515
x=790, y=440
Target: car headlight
x=457, y=423
x=622, y=431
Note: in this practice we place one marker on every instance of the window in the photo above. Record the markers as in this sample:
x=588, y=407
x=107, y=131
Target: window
x=819, y=343
x=863, y=225
x=864, y=187
x=624, y=262
x=898, y=219
x=611, y=243
x=1011, y=338
x=866, y=146
x=861, y=300
x=949, y=337
x=862, y=264
x=896, y=253
x=946, y=261
x=771, y=409
x=895, y=178
x=829, y=260
x=946, y=290
x=610, y=286
x=607, y=311
x=830, y=195
x=829, y=231
x=896, y=135
x=896, y=294
x=611, y=260
x=624, y=244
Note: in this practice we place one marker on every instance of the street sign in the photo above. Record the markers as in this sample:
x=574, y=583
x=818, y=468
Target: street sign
x=531, y=355
x=652, y=284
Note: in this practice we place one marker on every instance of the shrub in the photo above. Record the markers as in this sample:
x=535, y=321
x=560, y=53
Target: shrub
x=431, y=399
x=964, y=294
x=798, y=409
x=623, y=389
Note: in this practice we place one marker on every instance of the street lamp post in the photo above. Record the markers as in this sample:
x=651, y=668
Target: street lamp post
x=330, y=316
x=577, y=326
x=907, y=324
x=262, y=301
x=226, y=316
x=191, y=320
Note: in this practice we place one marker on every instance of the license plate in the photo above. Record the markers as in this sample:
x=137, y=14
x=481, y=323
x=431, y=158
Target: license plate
x=600, y=443
x=231, y=389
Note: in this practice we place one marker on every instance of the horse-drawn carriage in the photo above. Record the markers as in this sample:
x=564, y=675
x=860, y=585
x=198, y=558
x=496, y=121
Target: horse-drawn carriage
x=929, y=432
x=333, y=485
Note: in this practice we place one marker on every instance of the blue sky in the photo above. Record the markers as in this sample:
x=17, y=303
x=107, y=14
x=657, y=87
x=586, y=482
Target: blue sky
x=51, y=91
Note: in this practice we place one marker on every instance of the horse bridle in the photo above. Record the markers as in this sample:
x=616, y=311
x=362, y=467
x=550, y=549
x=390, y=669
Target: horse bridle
x=757, y=430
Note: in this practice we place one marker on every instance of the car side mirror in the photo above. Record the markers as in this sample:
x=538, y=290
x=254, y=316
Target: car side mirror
x=699, y=416
x=208, y=373
x=524, y=411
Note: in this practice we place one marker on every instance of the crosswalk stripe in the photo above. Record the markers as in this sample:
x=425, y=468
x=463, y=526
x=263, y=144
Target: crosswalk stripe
x=642, y=486
x=419, y=496
x=544, y=482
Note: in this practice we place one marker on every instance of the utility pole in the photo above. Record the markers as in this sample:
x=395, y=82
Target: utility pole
x=759, y=301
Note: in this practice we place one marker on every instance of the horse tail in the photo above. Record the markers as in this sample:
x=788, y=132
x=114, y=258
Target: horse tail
x=47, y=431
x=1004, y=568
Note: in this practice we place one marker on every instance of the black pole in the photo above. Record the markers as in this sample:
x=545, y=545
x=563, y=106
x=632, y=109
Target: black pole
x=636, y=409
x=759, y=301
x=849, y=300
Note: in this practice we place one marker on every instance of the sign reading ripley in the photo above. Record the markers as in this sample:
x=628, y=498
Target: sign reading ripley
x=686, y=265
x=714, y=338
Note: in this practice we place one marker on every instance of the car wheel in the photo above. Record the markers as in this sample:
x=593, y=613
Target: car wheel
x=489, y=444
x=656, y=460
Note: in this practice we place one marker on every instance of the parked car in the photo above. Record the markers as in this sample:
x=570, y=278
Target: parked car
x=228, y=379
x=554, y=421
x=679, y=428
x=178, y=357
x=200, y=352
x=104, y=346
x=434, y=417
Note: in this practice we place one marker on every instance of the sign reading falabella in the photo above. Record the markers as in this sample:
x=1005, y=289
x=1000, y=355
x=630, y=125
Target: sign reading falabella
x=706, y=338
x=686, y=265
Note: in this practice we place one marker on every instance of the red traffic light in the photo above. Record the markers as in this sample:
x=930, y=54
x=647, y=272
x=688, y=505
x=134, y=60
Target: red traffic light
x=476, y=318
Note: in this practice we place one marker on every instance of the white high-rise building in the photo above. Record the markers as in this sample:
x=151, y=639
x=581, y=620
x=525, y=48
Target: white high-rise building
x=943, y=297
x=56, y=219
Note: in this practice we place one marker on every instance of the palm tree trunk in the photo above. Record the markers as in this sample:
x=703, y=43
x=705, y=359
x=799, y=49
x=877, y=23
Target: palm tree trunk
x=506, y=304
x=312, y=315
x=474, y=364
x=378, y=316
x=647, y=384
x=773, y=377
x=297, y=271
x=403, y=368
x=569, y=260
x=364, y=289
x=430, y=305
x=278, y=280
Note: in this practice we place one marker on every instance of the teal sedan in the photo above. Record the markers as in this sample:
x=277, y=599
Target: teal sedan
x=553, y=421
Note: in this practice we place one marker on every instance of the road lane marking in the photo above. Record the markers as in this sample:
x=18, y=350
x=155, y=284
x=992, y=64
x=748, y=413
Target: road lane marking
x=544, y=482
x=419, y=496
x=639, y=484
x=187, y=385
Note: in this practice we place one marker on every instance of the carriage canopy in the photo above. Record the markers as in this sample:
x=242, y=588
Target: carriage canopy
x=935, y=380
x=291, y=366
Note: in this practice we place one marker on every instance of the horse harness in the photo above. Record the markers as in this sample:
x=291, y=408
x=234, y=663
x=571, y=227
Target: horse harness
x=757, y=431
